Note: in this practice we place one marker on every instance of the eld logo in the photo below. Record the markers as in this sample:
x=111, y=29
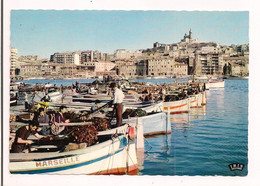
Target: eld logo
x=236, y=166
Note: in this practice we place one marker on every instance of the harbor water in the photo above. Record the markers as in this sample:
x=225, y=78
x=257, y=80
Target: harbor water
x=204, y=141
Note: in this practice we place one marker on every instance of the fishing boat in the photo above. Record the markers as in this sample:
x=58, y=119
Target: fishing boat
x=176, y=107
x=13, y=98
x=215, y=84
x=153, y=124
x=196, y=101
x=146, y=106
x=111, y=155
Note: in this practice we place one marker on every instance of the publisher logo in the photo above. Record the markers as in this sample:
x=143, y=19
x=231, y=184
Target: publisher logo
x=236, y=166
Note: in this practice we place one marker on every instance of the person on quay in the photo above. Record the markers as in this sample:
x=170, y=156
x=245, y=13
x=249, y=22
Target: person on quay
x=118, y=103
x=21, y=141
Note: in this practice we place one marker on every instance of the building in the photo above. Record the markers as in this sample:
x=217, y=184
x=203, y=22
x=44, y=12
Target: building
x=29, y=58
x=13, y=61
x=161, y=67
x=65, y=58
x=30, y=70
x=87, y=56
x=133, y=70
x=239, y=65
x=124, y=54
x=208, y=63
x=180, y=69
x=100, y=67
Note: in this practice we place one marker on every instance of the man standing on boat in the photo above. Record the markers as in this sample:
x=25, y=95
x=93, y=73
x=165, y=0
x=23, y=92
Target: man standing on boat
x=118, y=103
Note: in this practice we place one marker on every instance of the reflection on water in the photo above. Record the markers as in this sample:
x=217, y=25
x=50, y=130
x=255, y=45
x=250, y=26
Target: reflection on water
x=205, y=140
x=184, y=120
x=140, y=158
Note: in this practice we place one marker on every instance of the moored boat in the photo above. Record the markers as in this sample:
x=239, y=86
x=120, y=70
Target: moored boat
x=215, y=84
x=176, y=107
x=153, y=124
x=112, y=155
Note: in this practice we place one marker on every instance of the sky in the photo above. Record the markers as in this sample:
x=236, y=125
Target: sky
x=44, y=32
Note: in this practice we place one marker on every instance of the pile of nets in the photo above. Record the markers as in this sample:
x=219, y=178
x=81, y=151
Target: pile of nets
x=83, y=134
x=101, y=124
x=134, y=113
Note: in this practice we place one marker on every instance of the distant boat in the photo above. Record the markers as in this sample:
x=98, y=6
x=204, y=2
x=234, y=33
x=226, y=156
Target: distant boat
x=215, y=84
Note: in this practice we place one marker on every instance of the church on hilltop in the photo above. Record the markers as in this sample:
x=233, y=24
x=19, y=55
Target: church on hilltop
x=186, y=39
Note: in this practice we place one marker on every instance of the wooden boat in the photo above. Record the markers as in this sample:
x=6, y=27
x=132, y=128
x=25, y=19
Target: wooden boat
x=112, y=155
x=193, y=101
x=148, y=107
x=13, y=99
x=196, y=101
x=88, y=98
x=153, y=124
x=176, y=107
x=215, y=84
x=38, y=95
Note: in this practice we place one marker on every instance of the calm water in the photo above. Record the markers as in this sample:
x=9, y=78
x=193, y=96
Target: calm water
x=207, y=140
x=204, y=141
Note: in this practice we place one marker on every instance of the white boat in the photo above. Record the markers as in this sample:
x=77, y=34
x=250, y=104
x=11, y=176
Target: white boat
x=116, y=155
x=196, y=101
x=13, y=98
x=215, y=84
x=153, y=124
x=55, y=96
x=37, y=96
x=148, y=107
x=193, y=101
x=176, y=107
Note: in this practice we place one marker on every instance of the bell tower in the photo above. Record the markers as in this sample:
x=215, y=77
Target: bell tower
x=190, y=34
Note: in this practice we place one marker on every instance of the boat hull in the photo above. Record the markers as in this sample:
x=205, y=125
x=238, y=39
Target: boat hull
x=153, y=124
x=176, y=107
x=110, y=157
x=215, y=84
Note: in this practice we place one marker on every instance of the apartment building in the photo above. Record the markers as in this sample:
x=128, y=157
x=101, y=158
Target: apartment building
x=161, y=67
x=208, y=63
x=30, y=70
x=100, y=66
x=13, y=61
x=65, y=58
x=134, y=69
x=180, y=69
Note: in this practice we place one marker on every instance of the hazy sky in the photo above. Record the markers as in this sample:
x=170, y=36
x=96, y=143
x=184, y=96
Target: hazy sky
x=44, y=32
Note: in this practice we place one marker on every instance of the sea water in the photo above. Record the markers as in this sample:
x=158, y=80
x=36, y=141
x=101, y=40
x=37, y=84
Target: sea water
x=206, y=140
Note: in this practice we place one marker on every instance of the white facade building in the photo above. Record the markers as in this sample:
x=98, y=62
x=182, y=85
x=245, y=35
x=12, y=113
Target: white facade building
x=13, y=60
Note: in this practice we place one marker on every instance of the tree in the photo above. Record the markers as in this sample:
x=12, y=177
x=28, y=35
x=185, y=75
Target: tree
x=225, y=69
x=17, y=71
x=229, y=69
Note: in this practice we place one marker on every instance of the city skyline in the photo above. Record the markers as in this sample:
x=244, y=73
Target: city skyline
x=44, y=32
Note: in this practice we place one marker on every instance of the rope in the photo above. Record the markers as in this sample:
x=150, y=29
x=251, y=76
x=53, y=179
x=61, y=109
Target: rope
x=148, y=144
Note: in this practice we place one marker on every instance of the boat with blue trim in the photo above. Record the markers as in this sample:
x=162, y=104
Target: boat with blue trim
x=113, y=154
